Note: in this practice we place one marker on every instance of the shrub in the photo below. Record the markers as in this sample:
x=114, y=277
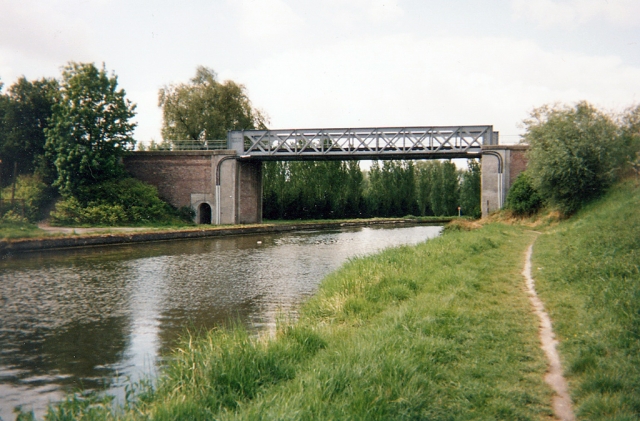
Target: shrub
x=574, y=154
x=35, y=194
x=125, y=201
x=12, y=217
x=523, y=199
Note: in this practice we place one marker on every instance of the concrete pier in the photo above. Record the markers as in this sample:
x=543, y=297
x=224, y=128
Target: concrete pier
x=501, y=164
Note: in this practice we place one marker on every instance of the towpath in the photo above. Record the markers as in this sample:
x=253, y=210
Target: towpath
x=562, y=407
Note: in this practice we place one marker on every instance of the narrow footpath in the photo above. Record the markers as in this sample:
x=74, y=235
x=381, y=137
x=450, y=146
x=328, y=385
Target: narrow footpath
x=562, y=407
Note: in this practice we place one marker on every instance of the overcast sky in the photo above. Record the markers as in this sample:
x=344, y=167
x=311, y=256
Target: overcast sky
x=344, y=63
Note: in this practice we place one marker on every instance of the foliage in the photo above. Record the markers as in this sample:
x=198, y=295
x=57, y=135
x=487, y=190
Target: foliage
x=164, y=145
x=33, y=191
x=574, y=154
x=587, y=273
x=523, y=199
x=90, y=130
x=445, y=190
x=312, y=190
x=24, y=114
x=334, y=190
x=205, y=109
x=438, y=188
x=392, y=189
x=630, y=136
x=425, y=173
x=470, y=190
x=118, y=202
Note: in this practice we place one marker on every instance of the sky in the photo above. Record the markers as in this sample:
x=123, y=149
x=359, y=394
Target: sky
x=344, y=63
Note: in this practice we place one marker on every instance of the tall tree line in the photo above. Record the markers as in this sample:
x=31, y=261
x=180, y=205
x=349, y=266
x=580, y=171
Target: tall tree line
x=336, y=189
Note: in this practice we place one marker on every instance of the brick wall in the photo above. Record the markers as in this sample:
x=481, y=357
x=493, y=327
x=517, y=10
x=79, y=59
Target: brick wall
x=177, y=175
x=518, y=163
x=250, y=188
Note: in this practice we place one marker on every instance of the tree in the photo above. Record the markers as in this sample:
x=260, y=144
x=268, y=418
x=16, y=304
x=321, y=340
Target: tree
x=354, y=185
x=392, y=189
x=90, y=129
x=574, y=154
x=206, y=109
x=630, y=136
x=25, y=113
x=470, y=190
x=445, y=189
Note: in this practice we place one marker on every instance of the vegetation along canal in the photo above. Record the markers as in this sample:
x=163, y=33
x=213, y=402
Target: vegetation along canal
x=92, y=318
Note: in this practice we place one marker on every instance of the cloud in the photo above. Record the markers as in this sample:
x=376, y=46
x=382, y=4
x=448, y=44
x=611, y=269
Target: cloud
x=39, y=37
x=571, y=13
x=384, y=10
x=36, y=29
x=267, y=20
x=401, y=80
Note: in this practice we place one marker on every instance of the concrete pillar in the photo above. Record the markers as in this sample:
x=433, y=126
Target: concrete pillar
x=249, y=205
x=501, y=164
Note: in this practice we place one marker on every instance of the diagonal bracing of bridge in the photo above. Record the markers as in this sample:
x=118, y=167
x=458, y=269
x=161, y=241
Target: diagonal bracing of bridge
x=437, y=142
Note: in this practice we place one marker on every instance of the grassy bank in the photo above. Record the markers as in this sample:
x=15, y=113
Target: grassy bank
x=15, y=230
x=587, y=272
x=439, y=331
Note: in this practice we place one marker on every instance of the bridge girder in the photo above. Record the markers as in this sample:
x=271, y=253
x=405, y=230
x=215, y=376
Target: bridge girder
x=437, y=142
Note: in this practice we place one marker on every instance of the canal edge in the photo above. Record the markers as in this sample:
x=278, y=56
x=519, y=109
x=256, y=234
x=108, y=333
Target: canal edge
x=30, y=245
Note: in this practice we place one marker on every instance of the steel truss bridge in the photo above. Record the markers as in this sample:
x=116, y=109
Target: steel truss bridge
x=438, y=142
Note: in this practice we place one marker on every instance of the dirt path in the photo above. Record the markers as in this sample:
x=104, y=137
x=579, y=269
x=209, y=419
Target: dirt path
x=562, y=408
x=64, y=230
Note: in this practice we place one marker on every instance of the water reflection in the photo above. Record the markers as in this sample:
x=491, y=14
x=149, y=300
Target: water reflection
x=89, y=319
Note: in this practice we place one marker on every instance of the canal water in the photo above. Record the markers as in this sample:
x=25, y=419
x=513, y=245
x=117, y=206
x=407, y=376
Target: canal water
x=92, y=319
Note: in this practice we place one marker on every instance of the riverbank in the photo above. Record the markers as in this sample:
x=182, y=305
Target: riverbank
x=442, y=330
x=61, y=237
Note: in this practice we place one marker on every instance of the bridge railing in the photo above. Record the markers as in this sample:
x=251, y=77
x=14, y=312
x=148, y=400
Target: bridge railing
x=362, y=143
x=186, y=145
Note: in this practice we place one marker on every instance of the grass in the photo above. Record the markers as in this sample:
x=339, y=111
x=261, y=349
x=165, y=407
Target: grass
x=587, y=272
x=15, y=230
x=438, y=331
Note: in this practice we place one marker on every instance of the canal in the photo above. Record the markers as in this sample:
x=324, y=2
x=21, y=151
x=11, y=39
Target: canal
x=96, y=318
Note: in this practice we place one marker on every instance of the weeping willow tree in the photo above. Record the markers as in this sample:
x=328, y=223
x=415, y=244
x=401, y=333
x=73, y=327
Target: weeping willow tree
x=205, y=109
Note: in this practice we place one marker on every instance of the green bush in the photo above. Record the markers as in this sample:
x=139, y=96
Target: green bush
x=35, y=194
x=523, y=199
x=574, y=154
x=125, y=201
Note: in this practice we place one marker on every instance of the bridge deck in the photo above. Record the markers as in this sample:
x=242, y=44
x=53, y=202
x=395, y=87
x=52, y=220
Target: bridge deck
x=440, y=142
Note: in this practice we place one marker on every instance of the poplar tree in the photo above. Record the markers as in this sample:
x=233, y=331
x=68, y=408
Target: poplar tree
x=470, y=190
